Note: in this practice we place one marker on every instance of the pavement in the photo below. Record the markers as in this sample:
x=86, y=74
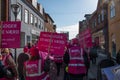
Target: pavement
x=92, y=72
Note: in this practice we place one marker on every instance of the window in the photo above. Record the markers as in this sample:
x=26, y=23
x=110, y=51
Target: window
x=39, y=24
x=34, y=3
x=112, y=10
x=19, y=16
x=26, y=16
x=99, y=18
x=31, y=19
x=35, y=21
x=42, y=26
x=94, y=23
x=28, y=38
x=22, y=40
x=102, y=15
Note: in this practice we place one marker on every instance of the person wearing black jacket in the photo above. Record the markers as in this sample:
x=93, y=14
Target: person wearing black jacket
x=93, y=54
x=118, y=57
x=66, y=61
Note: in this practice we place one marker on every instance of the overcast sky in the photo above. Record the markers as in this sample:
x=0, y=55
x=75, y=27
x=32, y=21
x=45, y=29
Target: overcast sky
x=67, y=13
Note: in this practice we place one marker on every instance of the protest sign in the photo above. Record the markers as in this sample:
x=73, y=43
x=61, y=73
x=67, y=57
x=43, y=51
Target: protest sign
x=53, y=43
x=10, y=34
x=85, y=38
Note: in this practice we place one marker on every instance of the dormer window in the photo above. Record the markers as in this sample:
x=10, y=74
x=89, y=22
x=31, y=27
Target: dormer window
x=34, y=3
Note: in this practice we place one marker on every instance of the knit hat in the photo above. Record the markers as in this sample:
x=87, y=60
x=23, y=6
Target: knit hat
x=25, y=49
x=34, y=51
x=75, y=41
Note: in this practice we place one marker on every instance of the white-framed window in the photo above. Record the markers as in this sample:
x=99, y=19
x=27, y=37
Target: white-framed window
x=42, y=26
x=26, y=16
x=39, y=24
x=102, y=15
x=31, y=19
x=35, y=19
x=112, y=10
x=34, y=3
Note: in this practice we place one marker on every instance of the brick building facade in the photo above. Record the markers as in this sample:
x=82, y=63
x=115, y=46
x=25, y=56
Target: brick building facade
x=105, y=25
x=114, y=26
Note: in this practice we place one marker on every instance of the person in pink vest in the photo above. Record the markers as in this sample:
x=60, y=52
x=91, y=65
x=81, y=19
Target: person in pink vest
x=9, y=64
x=76, y=66
x=33, y=67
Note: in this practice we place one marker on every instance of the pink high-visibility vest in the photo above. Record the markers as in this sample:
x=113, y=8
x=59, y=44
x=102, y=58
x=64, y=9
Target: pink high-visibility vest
x=76, y=64
x=33, y=68
x=33, y=71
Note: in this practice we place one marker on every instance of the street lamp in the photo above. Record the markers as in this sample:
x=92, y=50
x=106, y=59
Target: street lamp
x=15, y=9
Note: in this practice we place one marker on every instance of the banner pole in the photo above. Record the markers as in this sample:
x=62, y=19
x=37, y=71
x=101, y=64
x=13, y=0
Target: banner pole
x=0, y=34
x=50, y=44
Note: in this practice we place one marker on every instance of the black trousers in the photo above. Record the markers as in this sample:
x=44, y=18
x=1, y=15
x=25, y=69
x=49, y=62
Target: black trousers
x=58, y=68
x=76, y=77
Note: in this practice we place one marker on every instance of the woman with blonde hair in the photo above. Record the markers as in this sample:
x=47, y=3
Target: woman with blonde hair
x=9, y=63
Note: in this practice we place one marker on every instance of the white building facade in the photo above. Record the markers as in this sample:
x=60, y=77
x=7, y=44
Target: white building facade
x=31, y=17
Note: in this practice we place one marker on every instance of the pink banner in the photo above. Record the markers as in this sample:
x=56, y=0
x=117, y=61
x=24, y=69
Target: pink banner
x=11, y=34
x=53, y=43
x=85, y=38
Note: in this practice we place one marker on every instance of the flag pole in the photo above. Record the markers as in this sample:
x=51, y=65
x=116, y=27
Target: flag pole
x=0, y=34
x=49, y=45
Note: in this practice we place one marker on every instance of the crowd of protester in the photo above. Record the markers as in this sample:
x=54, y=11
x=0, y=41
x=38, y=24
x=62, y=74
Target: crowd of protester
x=30, y=63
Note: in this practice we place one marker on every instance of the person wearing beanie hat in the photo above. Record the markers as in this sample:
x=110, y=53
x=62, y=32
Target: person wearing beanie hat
x=25, y=49
x=75, y=41
x=76, y=66
x=33, y=67
x=34, y=52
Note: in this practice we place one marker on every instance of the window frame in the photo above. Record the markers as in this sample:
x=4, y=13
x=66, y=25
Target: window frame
x=31, y=19
x=26, y=15
x=112, y=10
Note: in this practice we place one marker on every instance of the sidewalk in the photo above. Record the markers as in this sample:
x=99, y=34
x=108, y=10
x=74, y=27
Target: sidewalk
x=92, y=73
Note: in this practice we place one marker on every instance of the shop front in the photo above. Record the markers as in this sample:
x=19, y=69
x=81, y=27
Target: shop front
x=35, y=35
